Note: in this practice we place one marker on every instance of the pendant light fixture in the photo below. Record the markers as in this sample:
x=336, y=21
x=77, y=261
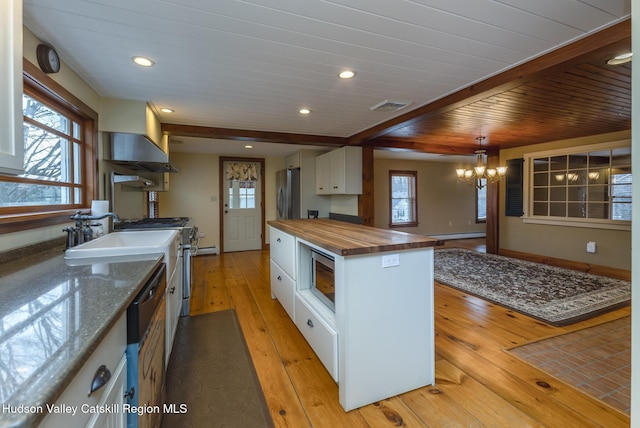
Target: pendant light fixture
x=479, y=176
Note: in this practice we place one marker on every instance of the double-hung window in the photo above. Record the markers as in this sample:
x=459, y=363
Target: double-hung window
x=59, y=161
x=588, y=186
x=403, y=201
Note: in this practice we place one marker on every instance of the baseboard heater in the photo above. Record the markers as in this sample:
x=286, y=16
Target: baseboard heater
x=207, y=250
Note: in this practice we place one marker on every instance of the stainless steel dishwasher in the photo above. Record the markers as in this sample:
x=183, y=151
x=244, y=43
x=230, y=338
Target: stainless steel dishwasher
x=145, y=353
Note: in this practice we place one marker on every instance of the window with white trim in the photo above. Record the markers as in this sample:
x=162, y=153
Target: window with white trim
x=588, y=185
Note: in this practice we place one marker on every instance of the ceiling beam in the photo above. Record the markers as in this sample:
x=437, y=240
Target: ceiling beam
x=249, y=135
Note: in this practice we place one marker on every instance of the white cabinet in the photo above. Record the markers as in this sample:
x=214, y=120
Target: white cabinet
x=283, y=251
x=283, y=287
x=293, y=161
x=320, y=334
x=11, y=139
x=339, y=172
x=109, y=355
x=113, y=398
x=173, y=307
x=283, y=270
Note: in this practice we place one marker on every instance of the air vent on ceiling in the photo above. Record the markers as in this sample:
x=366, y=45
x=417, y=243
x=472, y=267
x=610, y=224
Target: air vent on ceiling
x=389, y=105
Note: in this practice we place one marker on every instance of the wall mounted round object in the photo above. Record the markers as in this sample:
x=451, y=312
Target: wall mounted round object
x=48, y=58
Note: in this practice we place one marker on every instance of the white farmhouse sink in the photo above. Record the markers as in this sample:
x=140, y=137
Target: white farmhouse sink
x=130, y=243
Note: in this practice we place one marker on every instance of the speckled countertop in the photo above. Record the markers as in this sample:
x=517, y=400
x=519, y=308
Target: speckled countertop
x=52, y=317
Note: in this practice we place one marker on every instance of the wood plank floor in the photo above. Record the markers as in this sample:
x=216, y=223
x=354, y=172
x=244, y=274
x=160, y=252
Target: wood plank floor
x=477, y=383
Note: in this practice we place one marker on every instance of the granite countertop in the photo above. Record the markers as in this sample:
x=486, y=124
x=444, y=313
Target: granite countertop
x=347, y=239
x=52, y=317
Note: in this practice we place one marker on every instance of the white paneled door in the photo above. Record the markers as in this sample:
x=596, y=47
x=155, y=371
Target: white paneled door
x=242, y=206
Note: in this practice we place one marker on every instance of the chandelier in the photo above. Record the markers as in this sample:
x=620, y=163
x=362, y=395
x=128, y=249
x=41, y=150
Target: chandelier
x=479, y=176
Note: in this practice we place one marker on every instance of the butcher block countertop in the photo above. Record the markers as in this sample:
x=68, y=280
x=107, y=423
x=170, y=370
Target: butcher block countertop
x=347, y=239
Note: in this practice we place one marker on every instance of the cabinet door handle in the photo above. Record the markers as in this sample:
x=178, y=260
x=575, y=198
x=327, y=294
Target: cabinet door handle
x=100, y=379
x=173, y=290
x=130, y=393
x=278, y=240
x=279, y=278
x=310, y=323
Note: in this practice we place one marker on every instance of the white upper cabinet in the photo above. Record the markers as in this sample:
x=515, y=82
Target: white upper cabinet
x=11, y=141
x=339, y=172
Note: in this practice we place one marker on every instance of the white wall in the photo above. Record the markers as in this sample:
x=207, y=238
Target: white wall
x=635, y=239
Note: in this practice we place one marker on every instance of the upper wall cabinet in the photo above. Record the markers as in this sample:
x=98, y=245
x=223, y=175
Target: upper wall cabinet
x=11, y=140
x=339, y=172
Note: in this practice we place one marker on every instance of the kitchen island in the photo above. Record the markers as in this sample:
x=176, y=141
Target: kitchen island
x=56, y=319
x=374, y=331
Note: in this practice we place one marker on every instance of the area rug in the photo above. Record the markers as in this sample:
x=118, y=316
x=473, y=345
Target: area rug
x=551, y=294
x=595, y=360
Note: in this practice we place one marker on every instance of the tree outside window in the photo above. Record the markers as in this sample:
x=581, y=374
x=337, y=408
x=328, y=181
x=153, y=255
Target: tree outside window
x=403, y=201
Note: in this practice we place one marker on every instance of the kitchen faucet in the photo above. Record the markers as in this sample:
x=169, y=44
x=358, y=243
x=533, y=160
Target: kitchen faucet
x=80, y=234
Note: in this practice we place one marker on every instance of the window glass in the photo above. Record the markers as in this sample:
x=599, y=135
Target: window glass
x=481, y=202
x=52, y=159
x=403, y=200
x=587, y=184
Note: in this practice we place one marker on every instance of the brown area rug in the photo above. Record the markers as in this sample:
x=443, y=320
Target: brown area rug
x=211, y=372
x=595, y=360
x=551, y=294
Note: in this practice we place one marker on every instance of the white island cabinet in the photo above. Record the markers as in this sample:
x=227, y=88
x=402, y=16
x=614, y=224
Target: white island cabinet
x=378, y=339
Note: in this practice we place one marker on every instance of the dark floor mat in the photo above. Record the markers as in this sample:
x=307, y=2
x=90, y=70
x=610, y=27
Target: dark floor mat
x=211, y=380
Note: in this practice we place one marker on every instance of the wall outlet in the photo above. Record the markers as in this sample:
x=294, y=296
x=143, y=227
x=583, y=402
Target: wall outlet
x=390, y=260
x=591, y=247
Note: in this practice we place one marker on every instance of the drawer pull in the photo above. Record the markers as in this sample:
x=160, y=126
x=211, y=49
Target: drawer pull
x=279, y=278
x=310, y=323
x=100, y=379
x=130, y=394
x=278, y=240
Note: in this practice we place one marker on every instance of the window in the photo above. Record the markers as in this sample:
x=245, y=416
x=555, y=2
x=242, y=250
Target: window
x=59, y=158
x=481, y=202
x=403, y=205
x=587, y=185
x=242, y=194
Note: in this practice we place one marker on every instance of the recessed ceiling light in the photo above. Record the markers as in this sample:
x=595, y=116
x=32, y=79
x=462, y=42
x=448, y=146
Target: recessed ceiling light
x=346, y=74
x=304, y=111
x=143, y=61
x=248, y=146
x=620, y=59
x=166, y=110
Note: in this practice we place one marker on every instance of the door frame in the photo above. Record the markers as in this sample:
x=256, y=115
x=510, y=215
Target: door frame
x=221, y=189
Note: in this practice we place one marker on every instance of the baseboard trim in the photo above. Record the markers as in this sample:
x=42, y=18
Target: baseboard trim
x=450, y=236
x=569, y=264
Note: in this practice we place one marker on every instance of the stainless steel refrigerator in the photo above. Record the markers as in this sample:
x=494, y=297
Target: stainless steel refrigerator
x=288, y=194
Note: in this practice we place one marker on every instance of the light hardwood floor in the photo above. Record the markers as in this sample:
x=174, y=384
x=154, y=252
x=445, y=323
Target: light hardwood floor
x=477, y=383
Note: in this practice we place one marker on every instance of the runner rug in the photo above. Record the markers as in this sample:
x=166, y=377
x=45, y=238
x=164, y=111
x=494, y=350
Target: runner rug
x=550, y=294
x=211, y=379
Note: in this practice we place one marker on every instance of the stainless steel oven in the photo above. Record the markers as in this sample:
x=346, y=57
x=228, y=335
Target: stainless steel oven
x=323, y=278
x=146, y=319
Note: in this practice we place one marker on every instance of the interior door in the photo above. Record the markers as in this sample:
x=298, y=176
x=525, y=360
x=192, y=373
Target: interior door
x=242, y=214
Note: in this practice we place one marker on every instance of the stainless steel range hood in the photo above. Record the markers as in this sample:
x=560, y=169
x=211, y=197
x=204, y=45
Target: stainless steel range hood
x=136, y=152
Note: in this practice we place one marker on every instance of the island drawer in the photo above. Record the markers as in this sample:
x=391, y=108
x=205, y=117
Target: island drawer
x=283, y=287
x=283, y=251
x=320, y=335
